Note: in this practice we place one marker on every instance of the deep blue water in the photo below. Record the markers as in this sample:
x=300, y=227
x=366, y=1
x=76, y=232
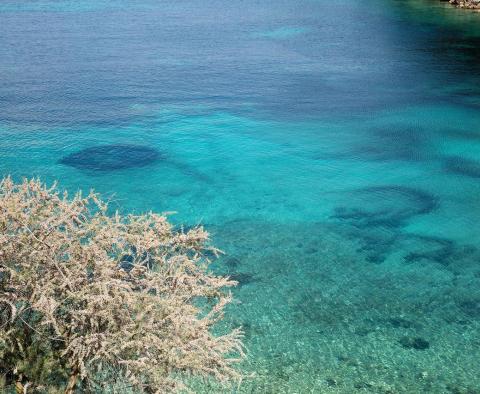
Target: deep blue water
x=331, y=148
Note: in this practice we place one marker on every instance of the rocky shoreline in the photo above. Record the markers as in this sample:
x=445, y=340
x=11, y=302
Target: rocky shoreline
x=469, y=4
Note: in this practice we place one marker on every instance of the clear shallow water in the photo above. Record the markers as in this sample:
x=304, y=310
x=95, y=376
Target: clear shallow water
x=332, y=149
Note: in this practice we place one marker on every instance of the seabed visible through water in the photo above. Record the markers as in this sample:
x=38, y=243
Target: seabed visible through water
x=332, y=150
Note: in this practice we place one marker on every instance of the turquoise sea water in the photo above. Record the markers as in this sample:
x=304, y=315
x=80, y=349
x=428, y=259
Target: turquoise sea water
x=332, y=149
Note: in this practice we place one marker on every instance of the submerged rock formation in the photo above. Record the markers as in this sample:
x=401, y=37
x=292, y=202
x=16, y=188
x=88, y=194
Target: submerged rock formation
x=105, y=158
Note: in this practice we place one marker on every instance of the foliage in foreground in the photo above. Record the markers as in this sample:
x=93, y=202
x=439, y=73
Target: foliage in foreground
x=85, y=294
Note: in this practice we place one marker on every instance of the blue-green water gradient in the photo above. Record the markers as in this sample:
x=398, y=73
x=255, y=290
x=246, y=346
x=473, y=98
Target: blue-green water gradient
x=332, y=149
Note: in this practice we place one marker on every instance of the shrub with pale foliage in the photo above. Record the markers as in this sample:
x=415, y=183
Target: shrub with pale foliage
x=91, y=300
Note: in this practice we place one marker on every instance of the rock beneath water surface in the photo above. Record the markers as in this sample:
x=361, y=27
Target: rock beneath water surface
x=460, y=166
x=386, y=206
x=416, y=343
x=111, y=157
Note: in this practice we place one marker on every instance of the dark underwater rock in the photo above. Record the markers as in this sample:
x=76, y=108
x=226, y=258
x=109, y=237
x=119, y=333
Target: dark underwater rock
x=416, y=343
x=393, y=142
x=438, y=250
x=111, y=157
x=470, y=307
x=375, y=216
x=376, y=243
x=444, y=251
x=388, y=206
x=460, y=166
